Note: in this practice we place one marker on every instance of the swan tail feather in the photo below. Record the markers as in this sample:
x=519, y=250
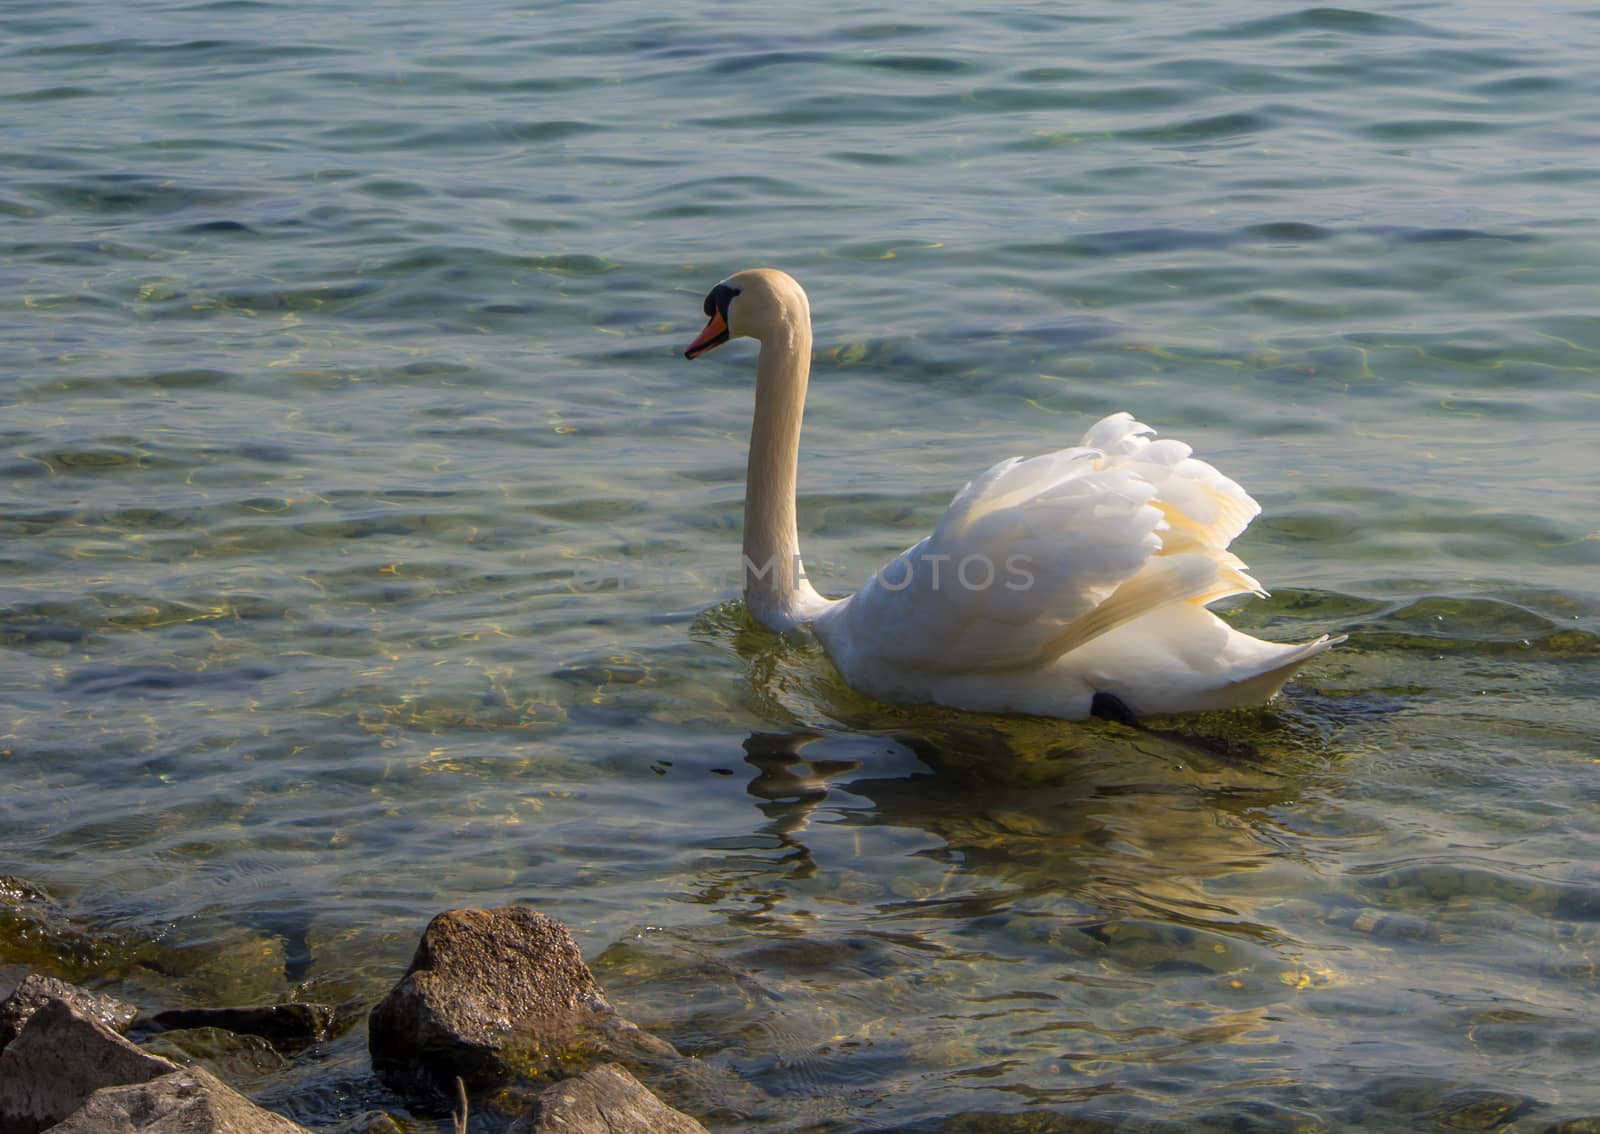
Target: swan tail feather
x=1263, y=686
x=1195, y=577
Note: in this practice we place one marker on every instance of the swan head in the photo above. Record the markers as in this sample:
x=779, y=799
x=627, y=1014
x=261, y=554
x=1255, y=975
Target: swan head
x=750, y=304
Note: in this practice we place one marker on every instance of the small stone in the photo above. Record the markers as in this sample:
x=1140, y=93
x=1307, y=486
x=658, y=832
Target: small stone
x=603, y=1100
x=37, y=989
x=1576, y=1126
x=157, y=290
x=1479, y=1109
x=368, y=1122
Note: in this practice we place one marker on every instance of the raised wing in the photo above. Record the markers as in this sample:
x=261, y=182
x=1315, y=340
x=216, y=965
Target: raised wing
x=1037, y=557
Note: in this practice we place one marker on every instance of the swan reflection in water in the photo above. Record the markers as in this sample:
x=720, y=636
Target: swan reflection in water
x=1107, y=819
x=986, y=906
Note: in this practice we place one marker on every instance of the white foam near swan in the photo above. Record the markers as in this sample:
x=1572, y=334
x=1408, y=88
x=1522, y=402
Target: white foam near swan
x=1056, y=585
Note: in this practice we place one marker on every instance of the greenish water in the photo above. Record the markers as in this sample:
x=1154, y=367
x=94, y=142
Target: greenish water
x=368, y=544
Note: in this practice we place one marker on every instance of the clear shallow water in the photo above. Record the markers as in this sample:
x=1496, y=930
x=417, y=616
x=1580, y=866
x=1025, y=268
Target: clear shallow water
x=367, y=543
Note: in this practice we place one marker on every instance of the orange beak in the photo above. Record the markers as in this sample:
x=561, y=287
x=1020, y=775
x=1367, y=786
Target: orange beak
x=715, y=334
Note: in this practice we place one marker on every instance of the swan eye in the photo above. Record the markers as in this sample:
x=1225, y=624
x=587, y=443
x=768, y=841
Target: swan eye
x=718, y=298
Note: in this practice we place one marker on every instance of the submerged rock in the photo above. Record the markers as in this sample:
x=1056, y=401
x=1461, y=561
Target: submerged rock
x=37, y=989
x=1479, y=1109
x=34, y=931
x=242, y=1060
x=495, y=996
x=604, y=1100
x=369, y=1122
x=61, y=1057
x=190, y=1101
x=1041, y=1122
x=17, y=890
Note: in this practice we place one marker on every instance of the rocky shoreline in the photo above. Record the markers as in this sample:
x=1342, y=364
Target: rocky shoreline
x=498, y=1016
x=497, y=1025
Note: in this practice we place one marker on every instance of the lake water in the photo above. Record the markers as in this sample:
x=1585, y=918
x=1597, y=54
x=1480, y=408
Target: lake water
x=368, y=544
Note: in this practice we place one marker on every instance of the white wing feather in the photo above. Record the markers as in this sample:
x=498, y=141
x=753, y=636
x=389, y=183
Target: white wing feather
x=1038, y=557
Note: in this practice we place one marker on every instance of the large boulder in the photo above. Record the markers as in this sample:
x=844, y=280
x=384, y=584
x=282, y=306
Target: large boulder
x=495, y=996
x=190, y=1101
x=62, y=1056
x=603, y=1100
x=37, y=989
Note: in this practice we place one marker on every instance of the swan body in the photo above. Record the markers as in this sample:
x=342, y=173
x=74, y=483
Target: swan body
x=1048, y=582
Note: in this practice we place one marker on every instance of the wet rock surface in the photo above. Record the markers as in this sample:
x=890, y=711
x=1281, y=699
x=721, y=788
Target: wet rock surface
x=287, y=1027
x=603, y=1100
x=37, y=989
x=495, y=996
x=190, y=1101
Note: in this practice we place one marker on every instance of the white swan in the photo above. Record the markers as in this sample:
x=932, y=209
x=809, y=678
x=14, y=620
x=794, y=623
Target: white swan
x=1067, y=584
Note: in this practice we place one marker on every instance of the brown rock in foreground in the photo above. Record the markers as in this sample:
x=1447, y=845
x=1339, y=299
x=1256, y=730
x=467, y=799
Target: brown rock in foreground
x=494, y=996
x=59, y=1059
x=605, y=1100
x=190, y=1101
x=37, y=989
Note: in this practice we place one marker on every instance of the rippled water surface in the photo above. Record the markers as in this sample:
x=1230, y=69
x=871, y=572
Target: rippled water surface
x=367, y=542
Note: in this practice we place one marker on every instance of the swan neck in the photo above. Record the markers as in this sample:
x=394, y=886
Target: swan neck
x=775, y=588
